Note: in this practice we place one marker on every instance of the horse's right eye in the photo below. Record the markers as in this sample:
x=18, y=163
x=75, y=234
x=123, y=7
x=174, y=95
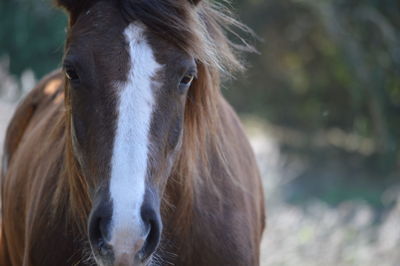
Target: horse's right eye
x=71, y=74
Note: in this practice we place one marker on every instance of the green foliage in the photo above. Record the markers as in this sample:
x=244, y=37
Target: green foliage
x=326, y=64
x=32, y=35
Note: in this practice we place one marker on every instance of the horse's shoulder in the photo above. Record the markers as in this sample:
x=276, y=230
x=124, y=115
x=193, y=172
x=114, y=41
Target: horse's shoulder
x=244, y=161
x=236, y=139
x=47, y=88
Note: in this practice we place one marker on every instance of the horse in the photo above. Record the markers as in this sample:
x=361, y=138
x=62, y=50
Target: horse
x=129, y=154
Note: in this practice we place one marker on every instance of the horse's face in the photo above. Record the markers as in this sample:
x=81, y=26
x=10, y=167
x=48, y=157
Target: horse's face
x=126, y=90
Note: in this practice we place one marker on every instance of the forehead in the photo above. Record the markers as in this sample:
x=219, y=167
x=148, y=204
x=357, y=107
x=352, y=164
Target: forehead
x=100, y=34
x=96, y=45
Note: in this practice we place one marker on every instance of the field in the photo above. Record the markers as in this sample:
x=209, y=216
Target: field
x=311, y=234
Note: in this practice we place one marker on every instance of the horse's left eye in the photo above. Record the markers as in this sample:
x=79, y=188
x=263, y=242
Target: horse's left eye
x=71, y=74
x=187, y=80
x=185, y=83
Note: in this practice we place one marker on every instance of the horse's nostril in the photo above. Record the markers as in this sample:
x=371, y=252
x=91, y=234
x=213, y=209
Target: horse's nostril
x=98, y=232
x=153, y=223
x=103, y=228
x=126, y=238
x=103, y=248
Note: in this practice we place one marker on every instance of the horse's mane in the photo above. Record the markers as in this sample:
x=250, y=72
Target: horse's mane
x=201, y=30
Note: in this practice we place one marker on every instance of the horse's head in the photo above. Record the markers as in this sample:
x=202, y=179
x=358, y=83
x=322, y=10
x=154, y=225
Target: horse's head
x=125, y=95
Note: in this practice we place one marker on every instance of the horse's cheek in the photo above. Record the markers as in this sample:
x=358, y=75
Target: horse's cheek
x=175, y=133
x=78, y=139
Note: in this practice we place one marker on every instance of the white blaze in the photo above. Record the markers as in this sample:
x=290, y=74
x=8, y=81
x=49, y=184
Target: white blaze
x=131, y=144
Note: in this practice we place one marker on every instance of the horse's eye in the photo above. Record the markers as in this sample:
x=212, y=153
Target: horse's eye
x=71, y=74
x=187, y=80
x=185, y=83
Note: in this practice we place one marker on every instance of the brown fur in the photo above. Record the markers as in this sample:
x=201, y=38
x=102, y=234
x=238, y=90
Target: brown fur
x=212, y=207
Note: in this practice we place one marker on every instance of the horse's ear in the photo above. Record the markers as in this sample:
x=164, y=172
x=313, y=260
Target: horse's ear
x=74, y=7
x=194, y=2
x=70, y=5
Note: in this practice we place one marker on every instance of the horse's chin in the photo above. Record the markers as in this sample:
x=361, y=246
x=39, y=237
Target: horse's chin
x=127, y=262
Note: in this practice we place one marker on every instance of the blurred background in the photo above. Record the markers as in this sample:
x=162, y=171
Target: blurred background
x=321, y=105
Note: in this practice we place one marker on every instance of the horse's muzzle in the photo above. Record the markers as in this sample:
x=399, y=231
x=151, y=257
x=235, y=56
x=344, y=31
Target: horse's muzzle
x=127, y=246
